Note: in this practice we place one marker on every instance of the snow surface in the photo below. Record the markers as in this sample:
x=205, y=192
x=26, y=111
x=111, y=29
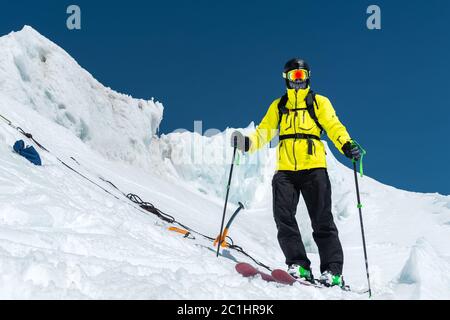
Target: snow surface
x=61, y=237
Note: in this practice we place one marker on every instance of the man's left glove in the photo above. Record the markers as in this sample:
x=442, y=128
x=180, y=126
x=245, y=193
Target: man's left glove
x=240, y=141
x=352, y=150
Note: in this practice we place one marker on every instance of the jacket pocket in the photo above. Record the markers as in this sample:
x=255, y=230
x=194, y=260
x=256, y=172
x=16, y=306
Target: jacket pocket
x=306, y=123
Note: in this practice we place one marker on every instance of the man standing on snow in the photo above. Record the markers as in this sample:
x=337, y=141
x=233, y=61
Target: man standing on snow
x=300, y=116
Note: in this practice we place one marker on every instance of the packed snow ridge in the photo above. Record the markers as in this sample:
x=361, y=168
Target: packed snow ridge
x=63, y=237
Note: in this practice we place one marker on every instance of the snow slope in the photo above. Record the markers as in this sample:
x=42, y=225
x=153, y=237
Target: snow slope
x=63, y=237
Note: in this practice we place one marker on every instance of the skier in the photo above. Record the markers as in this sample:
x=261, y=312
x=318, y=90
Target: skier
x=299, y=117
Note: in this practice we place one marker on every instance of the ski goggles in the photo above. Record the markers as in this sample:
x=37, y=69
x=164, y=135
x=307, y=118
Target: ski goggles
x=297, y=74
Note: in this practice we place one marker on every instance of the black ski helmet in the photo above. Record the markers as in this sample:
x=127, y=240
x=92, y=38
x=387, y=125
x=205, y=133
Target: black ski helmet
x=296, y=63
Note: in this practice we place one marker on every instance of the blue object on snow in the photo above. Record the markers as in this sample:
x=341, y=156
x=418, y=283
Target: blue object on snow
x=29, y=152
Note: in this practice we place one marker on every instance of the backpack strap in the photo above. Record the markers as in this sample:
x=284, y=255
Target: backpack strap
x=282, y=108
x=310, y=101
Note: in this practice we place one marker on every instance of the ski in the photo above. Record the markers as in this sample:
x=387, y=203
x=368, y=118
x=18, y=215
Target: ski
x=283, y=277
x=247, y=271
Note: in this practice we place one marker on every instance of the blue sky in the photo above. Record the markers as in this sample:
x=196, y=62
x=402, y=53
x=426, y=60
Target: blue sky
x=220, y=62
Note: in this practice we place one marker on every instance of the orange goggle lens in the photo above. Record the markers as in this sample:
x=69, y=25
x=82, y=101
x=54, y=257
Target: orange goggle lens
x=297, y=74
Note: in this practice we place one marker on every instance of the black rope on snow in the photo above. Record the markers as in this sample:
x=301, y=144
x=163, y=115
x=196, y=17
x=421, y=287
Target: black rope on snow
x=8, y=122
x=168, y=218
x=135, y=198
x=75, y=160
x=109, y=182
x=30, y=136
x=150, y=208
x=239, y=249
x=83, y=176
x=193, y=231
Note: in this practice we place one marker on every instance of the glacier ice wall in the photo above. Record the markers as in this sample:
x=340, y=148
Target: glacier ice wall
x=36, y=75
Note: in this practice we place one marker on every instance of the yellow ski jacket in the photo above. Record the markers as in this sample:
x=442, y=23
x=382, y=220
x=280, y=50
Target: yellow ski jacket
x=300, y=154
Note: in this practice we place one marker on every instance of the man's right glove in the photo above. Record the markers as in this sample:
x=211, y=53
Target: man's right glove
x=352, y=150
x=240, y=141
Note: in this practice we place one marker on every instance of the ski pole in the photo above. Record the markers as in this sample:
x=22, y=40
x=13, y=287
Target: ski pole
x=362, y=226
x=221, y=238
x=226, y=197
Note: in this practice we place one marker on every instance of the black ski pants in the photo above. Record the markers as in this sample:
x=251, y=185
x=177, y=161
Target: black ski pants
x=315, y=187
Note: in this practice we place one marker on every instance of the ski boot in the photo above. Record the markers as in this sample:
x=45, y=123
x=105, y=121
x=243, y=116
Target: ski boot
x=299, y=272
x=328, y=279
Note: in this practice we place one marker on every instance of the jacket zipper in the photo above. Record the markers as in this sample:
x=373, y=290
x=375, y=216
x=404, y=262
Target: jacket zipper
x=295, y=132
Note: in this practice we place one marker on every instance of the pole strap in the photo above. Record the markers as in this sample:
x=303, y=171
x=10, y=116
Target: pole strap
x=238, y=158
x=363, y=153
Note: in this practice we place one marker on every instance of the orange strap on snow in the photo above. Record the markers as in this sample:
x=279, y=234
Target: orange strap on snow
x=182, y=231
x=222, y=239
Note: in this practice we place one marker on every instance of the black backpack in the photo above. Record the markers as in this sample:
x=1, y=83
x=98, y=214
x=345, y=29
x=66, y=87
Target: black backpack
x=310, y=101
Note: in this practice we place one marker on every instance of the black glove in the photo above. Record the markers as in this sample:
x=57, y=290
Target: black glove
x=352, y=150
x=240, y=141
